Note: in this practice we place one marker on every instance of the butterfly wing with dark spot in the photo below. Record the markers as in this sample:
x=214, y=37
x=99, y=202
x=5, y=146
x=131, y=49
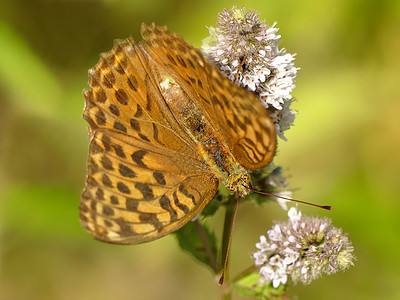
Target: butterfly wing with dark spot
x=136, y=192
x=144, y=179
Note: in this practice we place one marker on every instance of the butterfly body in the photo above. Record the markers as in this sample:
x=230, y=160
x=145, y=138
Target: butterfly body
x=166, y=127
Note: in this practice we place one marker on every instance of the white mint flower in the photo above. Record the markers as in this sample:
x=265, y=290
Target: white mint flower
x=283, y=118
x=247, y=51
x=294, y=215
x=262, y=245
x=260, y=258
x=275, y=234
x=303, y=249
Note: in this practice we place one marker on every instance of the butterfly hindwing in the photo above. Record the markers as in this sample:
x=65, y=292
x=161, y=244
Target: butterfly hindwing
x=136, y=193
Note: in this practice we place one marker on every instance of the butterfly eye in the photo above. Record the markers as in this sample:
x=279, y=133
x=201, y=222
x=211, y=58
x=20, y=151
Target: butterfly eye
x=246, y=178
x=230, y=187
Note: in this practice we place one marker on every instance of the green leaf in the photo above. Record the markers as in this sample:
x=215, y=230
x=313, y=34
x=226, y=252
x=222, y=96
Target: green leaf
x=211, y=208
x=198, y=240
x=249, y=286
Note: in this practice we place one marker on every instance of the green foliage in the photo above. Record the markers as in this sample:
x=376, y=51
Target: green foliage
x=198, y=240
x=49, y=210
x=249, y=286
x=213, y=206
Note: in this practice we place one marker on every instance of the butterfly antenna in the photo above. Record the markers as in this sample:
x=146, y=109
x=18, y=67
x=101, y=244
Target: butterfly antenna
x=327, y=207
x=241, y=65
x=221, y=279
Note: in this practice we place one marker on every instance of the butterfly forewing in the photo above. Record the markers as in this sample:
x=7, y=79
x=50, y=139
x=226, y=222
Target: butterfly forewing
x=244, y=121
x=235, y=113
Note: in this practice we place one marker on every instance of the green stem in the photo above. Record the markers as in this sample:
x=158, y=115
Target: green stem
x=229, y=212
x=229, y=215
x=244, y=273
x=227, y=294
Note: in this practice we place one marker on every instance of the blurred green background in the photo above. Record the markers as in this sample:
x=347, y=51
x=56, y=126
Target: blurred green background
x=343, y=150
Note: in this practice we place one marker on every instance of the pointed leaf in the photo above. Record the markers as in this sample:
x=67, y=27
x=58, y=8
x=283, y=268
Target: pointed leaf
x=199, y=241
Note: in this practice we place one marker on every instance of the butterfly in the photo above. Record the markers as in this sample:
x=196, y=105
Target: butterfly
x=165, y=128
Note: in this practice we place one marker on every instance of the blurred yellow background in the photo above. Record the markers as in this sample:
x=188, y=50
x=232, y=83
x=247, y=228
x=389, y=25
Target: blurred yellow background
x=343, y=150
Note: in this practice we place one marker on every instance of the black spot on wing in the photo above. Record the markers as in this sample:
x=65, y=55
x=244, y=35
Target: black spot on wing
x=150, y=218
x=186, y=193
x=159, y=177
x=146, y=190
x=123, y=188
x=126, y=171
x=178, y=204
x=137, y=157
x=166, y=204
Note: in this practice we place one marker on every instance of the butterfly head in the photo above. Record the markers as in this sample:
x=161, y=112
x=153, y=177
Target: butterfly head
x=239, y=182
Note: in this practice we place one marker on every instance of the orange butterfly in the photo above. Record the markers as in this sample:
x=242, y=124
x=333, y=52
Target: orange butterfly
x=166, y=127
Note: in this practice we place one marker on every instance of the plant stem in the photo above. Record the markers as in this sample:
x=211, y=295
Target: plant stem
x=244, y=273
x=229, y=211
x=229, y=215
x=227, y=294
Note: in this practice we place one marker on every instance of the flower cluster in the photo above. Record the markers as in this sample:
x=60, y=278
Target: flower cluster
x=246, y=51
x=303, y=249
